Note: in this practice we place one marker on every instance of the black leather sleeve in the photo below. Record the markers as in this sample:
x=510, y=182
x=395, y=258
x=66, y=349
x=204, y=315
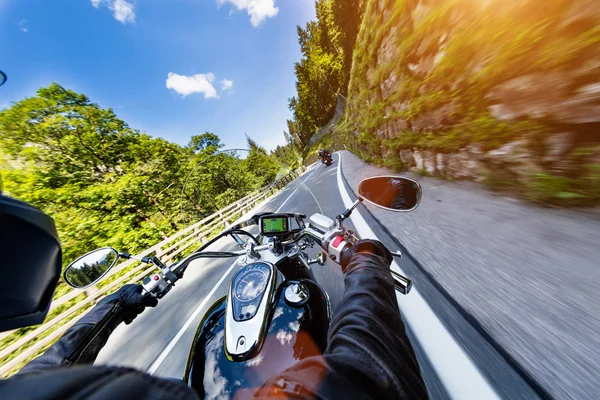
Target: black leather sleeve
x=368, y=355
x=83, y=341
x=93, y=383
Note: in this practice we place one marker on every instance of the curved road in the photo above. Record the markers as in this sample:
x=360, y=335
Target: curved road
x=159, y=339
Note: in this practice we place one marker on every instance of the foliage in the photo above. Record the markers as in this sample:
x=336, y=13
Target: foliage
x=565, y=191
x=265, y=167
x=424, y=75
x=287, y=155
x=106, y=184
x=324, y=69
x=413, y=58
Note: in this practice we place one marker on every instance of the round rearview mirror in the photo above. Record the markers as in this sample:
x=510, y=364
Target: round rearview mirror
x=88, y=269
x=391, y=192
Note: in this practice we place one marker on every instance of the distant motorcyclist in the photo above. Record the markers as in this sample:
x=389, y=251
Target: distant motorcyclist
x=368, y=354
x=324, y=153
x=325, y=156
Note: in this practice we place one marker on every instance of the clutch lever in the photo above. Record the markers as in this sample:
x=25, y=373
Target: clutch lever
x=401, y=283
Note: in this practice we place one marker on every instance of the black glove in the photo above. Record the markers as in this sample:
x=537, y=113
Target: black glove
x=131, y=301
x=368, y=246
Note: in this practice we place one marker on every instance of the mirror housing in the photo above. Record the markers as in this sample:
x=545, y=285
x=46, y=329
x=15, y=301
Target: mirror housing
x=90, y=268
x=394, y=193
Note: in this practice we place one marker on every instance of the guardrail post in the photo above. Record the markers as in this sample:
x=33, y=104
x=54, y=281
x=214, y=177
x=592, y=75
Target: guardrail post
x=225, y=223
x=91, y=291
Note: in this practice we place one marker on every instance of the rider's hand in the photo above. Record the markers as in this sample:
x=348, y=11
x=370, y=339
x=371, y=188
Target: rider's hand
x=131, y=300
x=368, y=246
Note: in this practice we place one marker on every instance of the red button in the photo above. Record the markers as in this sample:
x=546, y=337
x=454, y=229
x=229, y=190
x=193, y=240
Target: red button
x=336, y=242
x=155, y=277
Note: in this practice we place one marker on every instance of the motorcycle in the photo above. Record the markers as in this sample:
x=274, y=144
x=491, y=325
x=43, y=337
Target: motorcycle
x=326, y=159
x=275, y=313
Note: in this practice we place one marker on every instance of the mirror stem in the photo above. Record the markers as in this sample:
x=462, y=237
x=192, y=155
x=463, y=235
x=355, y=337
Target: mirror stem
x=128, y=256
x=356, y=203
x=348, y=212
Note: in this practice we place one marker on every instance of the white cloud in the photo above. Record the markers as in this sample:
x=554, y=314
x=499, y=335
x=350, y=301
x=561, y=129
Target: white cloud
x=226, y=85
x=186, y=85
x=23, y=25
x=258, y=10
x=122, y=10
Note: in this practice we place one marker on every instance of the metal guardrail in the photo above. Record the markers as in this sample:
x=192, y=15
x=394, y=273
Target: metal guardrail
x=166, y=250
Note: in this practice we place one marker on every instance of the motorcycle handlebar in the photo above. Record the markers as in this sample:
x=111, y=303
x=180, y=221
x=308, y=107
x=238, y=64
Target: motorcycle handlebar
x=159, y=289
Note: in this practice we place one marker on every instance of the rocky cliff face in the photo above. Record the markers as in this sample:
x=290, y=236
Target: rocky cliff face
x=507, y=93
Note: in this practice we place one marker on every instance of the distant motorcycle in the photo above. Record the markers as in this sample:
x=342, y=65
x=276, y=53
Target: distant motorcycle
x=326, y=158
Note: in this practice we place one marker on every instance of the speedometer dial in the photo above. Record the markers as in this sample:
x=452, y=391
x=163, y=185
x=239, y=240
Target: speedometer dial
x=250, y=284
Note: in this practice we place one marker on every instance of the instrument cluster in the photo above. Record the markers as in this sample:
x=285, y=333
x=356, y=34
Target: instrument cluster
x=248, y=287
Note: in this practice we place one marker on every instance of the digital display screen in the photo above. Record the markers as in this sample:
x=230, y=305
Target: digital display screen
x=275, y=225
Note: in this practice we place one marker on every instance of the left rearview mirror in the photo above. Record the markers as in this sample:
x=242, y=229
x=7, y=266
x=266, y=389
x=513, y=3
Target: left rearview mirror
x=392, y=193
x=91, y=267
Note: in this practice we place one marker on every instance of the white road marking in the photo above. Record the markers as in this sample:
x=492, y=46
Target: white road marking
x=152, y=369
x=309, y=175
x=286, y=200
x=454, y=368
x=317, y=201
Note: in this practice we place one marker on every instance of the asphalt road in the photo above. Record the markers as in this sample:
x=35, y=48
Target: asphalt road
x=525, y=278
x=513, y=284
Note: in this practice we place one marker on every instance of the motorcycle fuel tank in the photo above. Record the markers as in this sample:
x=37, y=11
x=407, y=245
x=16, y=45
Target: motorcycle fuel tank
x=296, y=331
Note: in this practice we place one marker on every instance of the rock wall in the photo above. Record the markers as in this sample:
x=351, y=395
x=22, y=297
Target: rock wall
x=486, y=90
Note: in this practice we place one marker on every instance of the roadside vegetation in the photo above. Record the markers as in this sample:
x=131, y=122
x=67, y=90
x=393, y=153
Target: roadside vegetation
x=460, y=77
x=107, y=184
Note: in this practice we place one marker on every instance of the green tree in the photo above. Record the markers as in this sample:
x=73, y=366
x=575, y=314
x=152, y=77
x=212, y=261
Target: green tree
x=107, y=184
x=324, y=69
x=347, y=17
x=205, y=142
x=261, y=163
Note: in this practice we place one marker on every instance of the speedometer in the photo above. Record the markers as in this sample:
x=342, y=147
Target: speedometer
x=250, y=284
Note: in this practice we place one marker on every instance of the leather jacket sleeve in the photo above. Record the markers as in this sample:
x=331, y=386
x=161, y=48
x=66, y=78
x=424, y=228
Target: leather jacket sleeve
x=83, y=341
x=368, y=353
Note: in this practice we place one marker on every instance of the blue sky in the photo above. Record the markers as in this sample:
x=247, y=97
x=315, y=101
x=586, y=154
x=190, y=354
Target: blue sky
x=171, y=68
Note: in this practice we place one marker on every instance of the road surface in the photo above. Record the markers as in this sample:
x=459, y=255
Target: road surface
x=494, y=271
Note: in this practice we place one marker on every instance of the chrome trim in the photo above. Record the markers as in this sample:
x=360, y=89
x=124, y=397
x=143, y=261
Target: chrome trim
x=305, y=232
x=401, y=283
x=296, y=294
x=293, y=251
x=243, y=337
x=391, y=176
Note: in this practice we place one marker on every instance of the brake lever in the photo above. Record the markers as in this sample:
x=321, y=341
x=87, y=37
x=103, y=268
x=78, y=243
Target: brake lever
x=401, y=283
